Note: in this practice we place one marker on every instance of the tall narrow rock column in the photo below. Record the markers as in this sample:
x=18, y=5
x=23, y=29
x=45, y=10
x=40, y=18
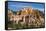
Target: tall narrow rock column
x=17, y=21
x=29, y=21
x=24, y=19
x=29, y=18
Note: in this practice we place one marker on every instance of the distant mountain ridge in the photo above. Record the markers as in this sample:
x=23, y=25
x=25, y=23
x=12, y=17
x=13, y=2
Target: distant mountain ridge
x=25, y=11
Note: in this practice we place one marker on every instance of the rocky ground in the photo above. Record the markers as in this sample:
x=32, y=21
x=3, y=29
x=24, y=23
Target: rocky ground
x=37, y=20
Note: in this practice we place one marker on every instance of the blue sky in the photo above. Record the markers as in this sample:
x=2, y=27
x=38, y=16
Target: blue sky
x=18, y=5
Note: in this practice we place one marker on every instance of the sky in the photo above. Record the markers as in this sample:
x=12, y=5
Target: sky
x=19, y=5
